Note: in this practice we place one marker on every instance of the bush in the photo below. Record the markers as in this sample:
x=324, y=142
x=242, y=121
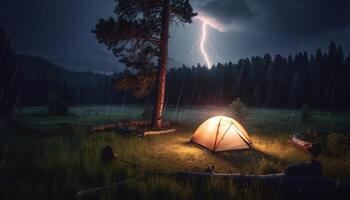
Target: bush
x=147, y=112
x=338, y=144
x=238, y=109
x=306, y=116
x=56, y=105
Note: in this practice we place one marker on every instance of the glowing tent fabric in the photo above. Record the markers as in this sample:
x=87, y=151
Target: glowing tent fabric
x=221, y=133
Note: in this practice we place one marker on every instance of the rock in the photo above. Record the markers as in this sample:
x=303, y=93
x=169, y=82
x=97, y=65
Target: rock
x=107, y=155
x=210, y=169
x=310, y=168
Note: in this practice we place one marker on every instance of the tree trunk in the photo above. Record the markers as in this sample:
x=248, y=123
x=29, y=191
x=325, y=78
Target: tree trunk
x=161, y=74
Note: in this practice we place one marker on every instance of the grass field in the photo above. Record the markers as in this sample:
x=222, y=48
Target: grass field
x=46, y=158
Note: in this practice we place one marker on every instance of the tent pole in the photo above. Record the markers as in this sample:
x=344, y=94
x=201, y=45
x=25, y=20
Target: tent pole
x=217, y=133
x=222, y=137
x=243, y=138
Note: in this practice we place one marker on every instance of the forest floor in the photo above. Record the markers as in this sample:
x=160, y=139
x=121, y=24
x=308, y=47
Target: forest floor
x=54, y=157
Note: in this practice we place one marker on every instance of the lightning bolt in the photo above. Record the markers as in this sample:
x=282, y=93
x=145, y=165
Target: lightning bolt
x=212, y=23
x=202, y=44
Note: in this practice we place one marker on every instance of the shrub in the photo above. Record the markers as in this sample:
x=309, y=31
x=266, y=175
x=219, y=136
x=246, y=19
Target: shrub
x=338, y=144
x=238, y=109
x=147, y=112
x=56, y=105
x=306, y=116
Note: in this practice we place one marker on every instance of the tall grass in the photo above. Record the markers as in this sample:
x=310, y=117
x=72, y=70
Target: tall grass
x=55, y=167
x=54, y=162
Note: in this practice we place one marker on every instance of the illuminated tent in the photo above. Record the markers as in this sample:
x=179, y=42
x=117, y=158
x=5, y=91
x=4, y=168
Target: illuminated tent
x=221, y=133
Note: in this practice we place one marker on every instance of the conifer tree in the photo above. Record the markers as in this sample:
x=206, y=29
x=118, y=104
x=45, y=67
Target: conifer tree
x=138, y=36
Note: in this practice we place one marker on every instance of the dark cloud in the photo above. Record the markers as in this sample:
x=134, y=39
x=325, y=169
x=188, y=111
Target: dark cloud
x=227, y=11
x=302, y=17
x=60, y=31
x=299, y=17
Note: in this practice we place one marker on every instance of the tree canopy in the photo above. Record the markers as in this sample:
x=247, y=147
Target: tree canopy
x=134, y=36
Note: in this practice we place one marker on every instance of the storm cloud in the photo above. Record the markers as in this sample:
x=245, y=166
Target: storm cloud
x=60, y=30
x=227, y=11
x=299, y=17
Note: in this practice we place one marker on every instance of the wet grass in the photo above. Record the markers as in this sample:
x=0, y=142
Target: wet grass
x=57, y=167
x=43, y=159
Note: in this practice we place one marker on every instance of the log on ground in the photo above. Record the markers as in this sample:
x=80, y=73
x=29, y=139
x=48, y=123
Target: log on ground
x=308, y=147
x=292, y=187
x=147, y=133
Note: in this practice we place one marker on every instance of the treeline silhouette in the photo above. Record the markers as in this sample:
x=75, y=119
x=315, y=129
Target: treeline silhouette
x=9, y=81
x=320, y=80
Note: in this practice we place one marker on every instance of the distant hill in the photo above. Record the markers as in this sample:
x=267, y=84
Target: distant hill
x=33, y=67
x=40, y=77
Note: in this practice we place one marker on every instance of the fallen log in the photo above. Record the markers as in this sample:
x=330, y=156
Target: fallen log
x=104, y=127
x=308, y=147
x=292, y=187
x=136, y=123
x=125, y=125
x=147, y=133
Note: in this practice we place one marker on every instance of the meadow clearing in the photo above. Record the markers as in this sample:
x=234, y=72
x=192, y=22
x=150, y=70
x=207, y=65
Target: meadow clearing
x=44, y=157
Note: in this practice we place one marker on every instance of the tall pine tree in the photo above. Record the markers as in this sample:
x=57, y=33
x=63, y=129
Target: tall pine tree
x=139, y=38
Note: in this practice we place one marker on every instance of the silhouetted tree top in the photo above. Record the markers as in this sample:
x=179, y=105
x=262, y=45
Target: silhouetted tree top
x=9, y=78
x=134, y=37
x=5, y=44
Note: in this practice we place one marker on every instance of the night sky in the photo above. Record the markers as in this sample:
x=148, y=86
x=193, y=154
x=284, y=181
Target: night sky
x=60, y=30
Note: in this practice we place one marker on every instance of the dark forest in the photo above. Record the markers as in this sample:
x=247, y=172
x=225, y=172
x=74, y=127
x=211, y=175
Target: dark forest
x=319, y=80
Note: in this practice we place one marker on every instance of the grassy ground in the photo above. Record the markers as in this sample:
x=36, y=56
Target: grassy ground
x=46, y=158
